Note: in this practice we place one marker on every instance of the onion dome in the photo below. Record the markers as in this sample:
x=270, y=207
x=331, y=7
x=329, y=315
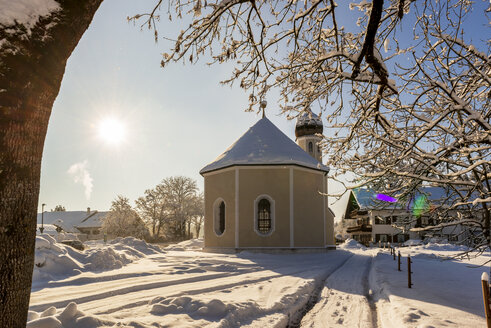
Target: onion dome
x=308, y=123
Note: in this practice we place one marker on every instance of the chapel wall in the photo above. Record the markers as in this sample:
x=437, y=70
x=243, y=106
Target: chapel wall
x=308, y=209
x=220, y=185
x=273, y=182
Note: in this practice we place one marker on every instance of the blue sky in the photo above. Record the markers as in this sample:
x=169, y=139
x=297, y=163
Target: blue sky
x=177, y=119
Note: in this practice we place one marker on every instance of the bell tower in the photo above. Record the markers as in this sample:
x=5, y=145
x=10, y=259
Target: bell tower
x=308, y=125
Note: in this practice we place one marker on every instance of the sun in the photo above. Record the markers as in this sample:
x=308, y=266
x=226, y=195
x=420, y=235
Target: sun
x=112, y=131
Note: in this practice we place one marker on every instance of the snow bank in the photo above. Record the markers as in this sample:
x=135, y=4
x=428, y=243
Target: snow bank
x=413, y=242
x=52, y=259
x=445, y=247
x=191, y=244
x=55, y=260
x=351, y=244
x=71, y=316
x=134, y=246
x=444, y=293
x=213, y=309
x=234, y=313
x=65, y=236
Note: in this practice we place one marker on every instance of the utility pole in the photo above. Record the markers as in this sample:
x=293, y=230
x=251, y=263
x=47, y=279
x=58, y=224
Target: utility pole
x=42, y=218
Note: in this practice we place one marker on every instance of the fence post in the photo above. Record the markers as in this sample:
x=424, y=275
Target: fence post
x=485, y=296
x=399, y=261
x=409, y=283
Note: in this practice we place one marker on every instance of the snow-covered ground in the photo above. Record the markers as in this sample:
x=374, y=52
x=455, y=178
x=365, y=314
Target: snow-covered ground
x=128, y=283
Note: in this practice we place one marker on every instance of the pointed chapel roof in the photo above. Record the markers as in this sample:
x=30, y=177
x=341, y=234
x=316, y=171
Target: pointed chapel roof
x=264, y=144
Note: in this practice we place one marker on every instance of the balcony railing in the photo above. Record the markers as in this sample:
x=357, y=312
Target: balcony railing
x=360, y=228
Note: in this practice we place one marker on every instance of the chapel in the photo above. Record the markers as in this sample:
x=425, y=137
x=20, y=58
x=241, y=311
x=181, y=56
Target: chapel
x=267, y=192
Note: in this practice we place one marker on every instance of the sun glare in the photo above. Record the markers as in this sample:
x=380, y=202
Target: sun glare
x=112, y=131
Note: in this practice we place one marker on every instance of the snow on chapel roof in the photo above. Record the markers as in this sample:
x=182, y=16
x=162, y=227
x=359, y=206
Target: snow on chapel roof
x=264, y=144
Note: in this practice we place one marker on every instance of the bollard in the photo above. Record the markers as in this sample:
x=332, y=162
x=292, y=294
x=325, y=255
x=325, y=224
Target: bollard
x=409, y=283
x=399, y=261
x=485, y=296
x=394, y=253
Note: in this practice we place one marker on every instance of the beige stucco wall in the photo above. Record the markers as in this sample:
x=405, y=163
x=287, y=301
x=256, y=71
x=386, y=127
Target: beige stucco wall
x=313, y=226
x=273, y=182
x=303, y=143
x=220, y=185
x=308, y=208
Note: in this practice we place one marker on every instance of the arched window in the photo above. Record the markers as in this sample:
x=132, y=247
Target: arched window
x=264, y=215
x=219, y=216
x=221, y=224
x=311, y=147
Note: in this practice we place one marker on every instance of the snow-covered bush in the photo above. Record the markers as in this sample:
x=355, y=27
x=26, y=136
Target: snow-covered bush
x=123, y=221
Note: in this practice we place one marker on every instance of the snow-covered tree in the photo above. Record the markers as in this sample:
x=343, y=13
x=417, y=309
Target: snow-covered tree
x=172, y=207
x=151, y=208
x=123, y=221
x=59, y=208
x=198, y=213
x=180, y=195
x=36, y=39
x=405, y=85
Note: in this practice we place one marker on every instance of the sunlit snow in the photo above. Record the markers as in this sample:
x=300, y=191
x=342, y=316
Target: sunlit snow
x=130, y=283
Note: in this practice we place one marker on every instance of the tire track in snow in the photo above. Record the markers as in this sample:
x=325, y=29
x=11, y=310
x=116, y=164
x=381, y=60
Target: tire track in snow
x=343, y=299
x=114, y=292
x=154, y=287
x=369, y=294
x=296, y=320
x=211, y=285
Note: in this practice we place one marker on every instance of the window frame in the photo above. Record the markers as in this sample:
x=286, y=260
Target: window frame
x=272, y=214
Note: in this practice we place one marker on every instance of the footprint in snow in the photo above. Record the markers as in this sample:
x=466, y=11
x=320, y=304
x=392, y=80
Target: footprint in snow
x=411, y=317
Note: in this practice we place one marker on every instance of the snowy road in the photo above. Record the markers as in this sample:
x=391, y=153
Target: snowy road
x=344, y=298
x=350, y=287
x=231, y=290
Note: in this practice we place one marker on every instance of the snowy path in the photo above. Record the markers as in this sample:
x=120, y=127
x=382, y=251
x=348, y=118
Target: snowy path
x=344, y=299
x=244, y=290
x=349, y=287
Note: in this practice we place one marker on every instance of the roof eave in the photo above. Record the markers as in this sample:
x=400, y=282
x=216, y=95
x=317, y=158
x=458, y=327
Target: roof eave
x=326, y=169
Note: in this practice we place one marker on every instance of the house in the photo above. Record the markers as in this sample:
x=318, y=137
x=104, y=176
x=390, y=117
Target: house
x=87, y=223
x=92, y=224
x=370, y=219
x=266, y=192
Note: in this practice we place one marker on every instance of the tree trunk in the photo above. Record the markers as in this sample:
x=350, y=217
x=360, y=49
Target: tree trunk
x=30, y=79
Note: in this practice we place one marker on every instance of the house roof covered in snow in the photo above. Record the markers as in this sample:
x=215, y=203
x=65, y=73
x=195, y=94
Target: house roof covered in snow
x=67, y=220
x=264, y=144
x=47, y=228
x=93, y=221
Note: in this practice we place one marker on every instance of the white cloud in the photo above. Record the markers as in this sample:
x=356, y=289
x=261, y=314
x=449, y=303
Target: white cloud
x=80, y=174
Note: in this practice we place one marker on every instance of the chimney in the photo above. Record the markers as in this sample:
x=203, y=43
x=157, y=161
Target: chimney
x=88, y=210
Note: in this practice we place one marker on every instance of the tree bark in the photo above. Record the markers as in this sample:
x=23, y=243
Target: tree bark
x=30, y=79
